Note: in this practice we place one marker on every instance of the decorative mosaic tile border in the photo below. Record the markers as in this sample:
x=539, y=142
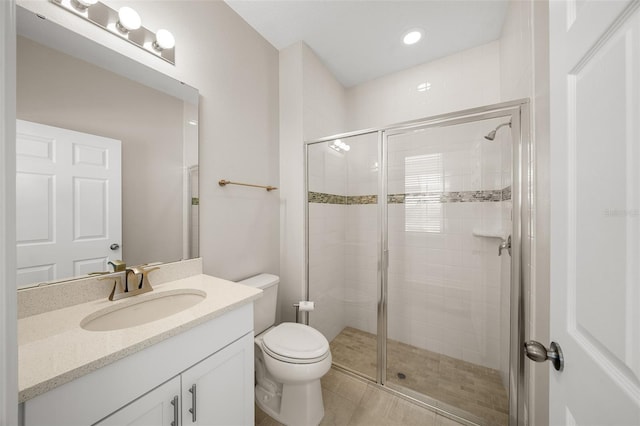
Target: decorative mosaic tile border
x=423, y=197
x=506, y=193
x=323, y=198
x=362, y=199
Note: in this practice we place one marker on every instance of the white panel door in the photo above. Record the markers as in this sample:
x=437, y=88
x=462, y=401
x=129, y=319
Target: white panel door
x=68, y=202
x=595, y=211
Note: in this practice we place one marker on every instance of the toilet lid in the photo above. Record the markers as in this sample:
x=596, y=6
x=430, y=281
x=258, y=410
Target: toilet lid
x=296, y=341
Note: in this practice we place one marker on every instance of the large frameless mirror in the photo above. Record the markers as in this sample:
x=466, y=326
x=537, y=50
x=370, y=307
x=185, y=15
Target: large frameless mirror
x=107, y=165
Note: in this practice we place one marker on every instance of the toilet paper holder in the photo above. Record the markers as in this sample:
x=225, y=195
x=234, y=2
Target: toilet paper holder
x=304, y=306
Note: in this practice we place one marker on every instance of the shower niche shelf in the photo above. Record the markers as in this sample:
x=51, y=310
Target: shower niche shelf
x=490, y=233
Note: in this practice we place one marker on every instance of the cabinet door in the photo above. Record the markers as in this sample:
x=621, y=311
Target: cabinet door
x=155, y=408
x=219, y=389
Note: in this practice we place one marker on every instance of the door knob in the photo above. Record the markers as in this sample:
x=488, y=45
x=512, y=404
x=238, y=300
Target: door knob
x=536, y=351
x=114, y=246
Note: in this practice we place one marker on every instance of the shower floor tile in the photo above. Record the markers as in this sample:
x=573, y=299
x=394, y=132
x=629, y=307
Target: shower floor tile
x=473, y=388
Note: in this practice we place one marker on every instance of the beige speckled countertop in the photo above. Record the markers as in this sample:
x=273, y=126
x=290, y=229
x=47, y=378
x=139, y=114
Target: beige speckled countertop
x=53, y=349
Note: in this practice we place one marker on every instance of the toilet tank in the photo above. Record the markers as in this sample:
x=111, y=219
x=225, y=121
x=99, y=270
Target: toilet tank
x=264, y=309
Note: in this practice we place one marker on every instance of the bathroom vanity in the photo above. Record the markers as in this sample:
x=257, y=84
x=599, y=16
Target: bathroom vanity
x=191, y=367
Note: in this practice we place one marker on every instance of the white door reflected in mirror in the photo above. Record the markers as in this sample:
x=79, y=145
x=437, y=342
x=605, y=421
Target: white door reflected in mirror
x=68, y=202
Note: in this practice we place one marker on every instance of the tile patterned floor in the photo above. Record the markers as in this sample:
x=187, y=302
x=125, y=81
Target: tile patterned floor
x=472, y=388
x=349, y=401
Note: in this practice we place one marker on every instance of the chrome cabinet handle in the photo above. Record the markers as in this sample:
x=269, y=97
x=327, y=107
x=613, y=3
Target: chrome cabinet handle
x=192, y=410
x=536, y=351
x=174, y=402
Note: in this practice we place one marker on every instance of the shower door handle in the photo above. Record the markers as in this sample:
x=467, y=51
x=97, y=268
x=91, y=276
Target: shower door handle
x=536, y=351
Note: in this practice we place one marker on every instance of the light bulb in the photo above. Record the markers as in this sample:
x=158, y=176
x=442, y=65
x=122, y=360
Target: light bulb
x=412, y=37
x=164, y=40
x=83, y=4
x=128, y=20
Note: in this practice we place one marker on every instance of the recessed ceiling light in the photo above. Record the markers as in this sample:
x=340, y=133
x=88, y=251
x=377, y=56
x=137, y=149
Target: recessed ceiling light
x=412, y=37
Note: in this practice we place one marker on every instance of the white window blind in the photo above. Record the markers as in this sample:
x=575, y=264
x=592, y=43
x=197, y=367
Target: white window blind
x=423, y=186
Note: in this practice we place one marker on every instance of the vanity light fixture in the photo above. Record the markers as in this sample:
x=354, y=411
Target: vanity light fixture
x=412, y=37
x=128, y=20
x=125, y=23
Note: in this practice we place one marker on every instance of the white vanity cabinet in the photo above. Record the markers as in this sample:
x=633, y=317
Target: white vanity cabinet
x=215, y=356
x=160, y=407
x=219, y=390
x=212, y=392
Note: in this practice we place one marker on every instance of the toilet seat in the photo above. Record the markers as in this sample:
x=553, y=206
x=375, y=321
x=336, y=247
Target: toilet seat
x=295, y=343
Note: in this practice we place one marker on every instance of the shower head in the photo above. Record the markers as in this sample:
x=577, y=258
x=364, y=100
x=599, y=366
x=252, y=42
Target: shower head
x=492, y=134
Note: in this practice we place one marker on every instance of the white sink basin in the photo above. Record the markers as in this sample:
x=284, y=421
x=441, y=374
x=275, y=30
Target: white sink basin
x=142, y=309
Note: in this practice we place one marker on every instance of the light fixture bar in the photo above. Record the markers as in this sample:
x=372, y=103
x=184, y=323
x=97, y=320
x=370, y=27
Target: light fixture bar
x=107, y=18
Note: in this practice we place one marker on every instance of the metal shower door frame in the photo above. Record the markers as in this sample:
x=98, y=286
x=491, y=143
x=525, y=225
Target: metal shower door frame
x=522, y=201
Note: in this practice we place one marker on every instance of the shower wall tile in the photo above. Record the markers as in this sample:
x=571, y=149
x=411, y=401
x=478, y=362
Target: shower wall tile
x=327, y=266
x=326, y=170
x=446, y=285
x=362, y=168
x=361, y=256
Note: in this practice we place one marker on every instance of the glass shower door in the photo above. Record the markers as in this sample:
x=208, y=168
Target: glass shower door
x=447, y=289
x=343, y=276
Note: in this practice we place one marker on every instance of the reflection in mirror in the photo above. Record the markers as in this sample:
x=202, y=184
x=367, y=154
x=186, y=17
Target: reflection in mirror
x=107, y=167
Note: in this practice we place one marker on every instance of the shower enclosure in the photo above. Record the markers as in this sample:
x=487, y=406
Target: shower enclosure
x=413, y=257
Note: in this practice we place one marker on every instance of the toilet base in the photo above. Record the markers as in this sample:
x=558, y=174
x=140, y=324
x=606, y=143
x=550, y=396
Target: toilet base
x=302, y=406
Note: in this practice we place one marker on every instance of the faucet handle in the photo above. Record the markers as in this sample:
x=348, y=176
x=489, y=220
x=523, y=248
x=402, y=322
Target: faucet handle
x=147, y=270
x=136, y=272
x=145, y=277
x=118, y=291
x=505, y=245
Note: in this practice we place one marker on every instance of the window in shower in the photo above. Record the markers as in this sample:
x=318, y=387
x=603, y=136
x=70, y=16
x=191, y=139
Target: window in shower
x=423, y=186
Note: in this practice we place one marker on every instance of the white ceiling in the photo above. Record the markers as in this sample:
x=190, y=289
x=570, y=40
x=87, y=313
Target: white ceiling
x=360, y=40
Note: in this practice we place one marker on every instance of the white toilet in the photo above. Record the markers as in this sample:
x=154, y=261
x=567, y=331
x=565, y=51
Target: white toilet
x=290, y=359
